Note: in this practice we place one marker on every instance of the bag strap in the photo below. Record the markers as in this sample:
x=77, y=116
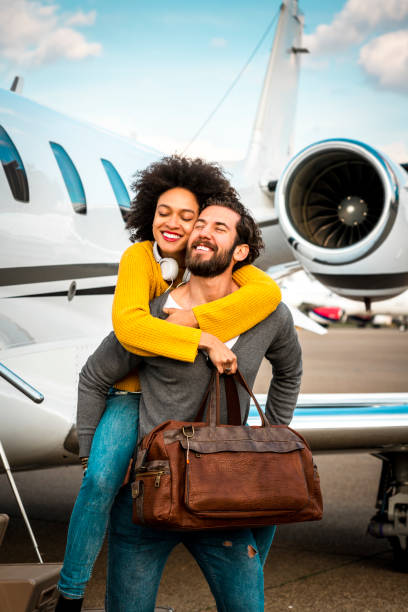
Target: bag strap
x=213, y=417
x=214, y=413
x=200, y=413
x=215, y=398
x=239, y=378
x=234, y=408
x=233, y=405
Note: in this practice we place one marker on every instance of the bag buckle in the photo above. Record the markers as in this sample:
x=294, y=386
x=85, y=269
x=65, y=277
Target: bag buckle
x=188, y=434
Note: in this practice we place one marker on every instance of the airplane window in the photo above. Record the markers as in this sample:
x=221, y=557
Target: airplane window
x=13, y=167
x=71, y=178
x=118, y=186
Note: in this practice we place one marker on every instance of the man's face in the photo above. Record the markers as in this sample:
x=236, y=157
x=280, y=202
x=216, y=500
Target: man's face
x=211, y=245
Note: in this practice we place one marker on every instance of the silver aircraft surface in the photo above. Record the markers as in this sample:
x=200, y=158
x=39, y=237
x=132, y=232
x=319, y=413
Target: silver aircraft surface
x=324, y=306
x=338, y=208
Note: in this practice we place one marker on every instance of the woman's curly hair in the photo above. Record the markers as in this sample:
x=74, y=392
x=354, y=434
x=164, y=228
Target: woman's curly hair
x=203, y=179
x=248, y=231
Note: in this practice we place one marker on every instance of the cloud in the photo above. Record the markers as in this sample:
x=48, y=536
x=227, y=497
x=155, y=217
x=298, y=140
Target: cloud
x=33, y=33
x=386, y=60
x=355, y=22
x=218, y=42
x=205, y=148
x=398, y=151
x=81, y=19
x=315, y=63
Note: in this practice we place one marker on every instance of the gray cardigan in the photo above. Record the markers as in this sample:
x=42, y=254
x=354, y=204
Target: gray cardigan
x=173, y=389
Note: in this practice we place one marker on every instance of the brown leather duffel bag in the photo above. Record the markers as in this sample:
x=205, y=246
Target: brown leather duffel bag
x=204, y=475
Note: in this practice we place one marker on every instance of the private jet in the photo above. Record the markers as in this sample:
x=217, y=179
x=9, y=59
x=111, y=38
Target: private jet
x=338, y=209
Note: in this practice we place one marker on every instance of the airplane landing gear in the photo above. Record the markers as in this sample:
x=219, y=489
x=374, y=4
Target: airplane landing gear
x=391, y=519
x=400, y=554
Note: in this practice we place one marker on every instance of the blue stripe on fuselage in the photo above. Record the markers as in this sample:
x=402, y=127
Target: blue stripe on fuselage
x=344, y=411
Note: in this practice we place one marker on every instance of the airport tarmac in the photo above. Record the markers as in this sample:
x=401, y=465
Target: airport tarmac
x=329, y=565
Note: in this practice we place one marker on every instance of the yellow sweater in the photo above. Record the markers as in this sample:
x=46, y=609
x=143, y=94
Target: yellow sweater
x=140, y=280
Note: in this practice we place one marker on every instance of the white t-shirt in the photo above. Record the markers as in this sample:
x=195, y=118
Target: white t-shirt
x=171, y=303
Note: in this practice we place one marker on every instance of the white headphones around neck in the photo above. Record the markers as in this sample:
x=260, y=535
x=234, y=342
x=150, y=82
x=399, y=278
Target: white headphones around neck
x=169, y=266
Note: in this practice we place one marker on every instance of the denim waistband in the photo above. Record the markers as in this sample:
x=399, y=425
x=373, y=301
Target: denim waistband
x=114, y=391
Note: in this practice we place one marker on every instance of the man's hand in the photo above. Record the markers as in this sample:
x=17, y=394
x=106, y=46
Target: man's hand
x=222, y=357
x=84, y=463
x=180, y=316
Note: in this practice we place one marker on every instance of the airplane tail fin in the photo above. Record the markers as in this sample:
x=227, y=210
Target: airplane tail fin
x=271, y=141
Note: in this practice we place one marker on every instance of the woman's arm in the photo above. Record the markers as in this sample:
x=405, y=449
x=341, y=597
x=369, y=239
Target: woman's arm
x=139, y=281
x=234, y=314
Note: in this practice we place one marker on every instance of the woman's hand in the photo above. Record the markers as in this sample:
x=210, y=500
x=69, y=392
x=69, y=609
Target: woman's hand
x=222, y=357
x=180, y=316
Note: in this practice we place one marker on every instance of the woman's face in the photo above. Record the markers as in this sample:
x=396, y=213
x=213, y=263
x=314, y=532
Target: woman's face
x=175, y=216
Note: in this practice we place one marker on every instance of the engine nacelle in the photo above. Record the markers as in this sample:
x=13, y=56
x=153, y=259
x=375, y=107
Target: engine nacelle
x=343, y=207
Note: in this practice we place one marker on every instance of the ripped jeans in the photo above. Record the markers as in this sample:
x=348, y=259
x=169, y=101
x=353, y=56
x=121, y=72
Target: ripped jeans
x=231, y=560
x=112, y=447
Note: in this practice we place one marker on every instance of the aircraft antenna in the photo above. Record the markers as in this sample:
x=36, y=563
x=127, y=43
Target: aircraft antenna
x=235, y=81
x=17, y=85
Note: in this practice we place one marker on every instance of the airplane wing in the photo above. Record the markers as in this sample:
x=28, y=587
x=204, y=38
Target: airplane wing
x=281, y=271
x=303, y=321
x=347, y=421
x=278, y=273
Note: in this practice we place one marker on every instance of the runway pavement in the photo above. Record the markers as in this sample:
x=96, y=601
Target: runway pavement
x=330, y=565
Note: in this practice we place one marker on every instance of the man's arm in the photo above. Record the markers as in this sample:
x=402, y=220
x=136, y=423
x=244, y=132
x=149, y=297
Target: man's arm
x=285, y=355
x=108, y=364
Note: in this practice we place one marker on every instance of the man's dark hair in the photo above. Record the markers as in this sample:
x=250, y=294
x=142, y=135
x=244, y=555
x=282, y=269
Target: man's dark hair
x=203, y=179
x=248, y=231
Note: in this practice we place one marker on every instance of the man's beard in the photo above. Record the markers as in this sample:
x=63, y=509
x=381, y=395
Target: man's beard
x=208, y=268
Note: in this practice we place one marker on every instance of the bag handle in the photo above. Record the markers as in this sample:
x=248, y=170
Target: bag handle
x=213, y=390
x=233, y=406
x=200, y=413
x=239, y=377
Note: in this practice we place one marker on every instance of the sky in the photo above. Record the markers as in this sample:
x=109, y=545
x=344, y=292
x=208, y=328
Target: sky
x=154, y=71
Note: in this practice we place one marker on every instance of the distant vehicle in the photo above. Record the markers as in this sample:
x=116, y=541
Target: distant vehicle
x=327, y=314
x=324, y=306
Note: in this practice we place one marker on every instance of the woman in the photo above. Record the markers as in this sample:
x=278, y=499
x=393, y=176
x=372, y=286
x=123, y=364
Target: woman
x=169, y=194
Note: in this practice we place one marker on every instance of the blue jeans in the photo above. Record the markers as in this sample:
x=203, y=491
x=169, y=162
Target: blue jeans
x=112, y=447
x=229, y=559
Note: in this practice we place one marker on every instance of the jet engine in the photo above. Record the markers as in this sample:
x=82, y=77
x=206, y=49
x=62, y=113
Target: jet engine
x=343, y=207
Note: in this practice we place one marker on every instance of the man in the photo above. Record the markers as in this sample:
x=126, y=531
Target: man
x=224, y=237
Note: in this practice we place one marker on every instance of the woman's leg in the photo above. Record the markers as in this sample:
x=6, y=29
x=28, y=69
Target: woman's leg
x=112, y=447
